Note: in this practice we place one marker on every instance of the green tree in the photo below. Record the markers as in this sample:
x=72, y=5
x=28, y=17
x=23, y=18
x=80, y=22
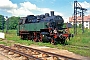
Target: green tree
x=13, y=22
x=2, y=22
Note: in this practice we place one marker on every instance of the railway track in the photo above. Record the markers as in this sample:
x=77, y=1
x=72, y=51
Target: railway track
x=32, y=54
x=79, y=47
x=17, y=53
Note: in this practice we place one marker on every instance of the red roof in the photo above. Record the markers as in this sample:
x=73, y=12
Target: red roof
x=86, y=18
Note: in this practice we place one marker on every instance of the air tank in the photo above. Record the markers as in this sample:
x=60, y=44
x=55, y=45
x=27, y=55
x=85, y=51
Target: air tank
x=46, y=14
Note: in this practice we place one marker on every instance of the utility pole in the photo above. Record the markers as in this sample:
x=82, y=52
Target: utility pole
x=76, y=7
x=82, y=22
x=75, y=17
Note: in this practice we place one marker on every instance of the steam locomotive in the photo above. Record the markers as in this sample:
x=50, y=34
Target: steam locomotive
x=43, y=28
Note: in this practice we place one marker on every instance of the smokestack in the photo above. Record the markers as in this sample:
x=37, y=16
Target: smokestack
x=52, y=13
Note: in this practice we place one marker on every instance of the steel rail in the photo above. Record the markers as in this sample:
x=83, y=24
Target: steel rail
x=21, y=53
x=52, y=54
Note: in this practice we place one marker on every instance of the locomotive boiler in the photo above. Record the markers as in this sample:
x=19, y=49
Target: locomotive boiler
x=43, y=28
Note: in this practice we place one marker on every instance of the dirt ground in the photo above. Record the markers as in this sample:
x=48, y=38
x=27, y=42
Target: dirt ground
x=60, y=52
x=2, y=57
x=48, y=49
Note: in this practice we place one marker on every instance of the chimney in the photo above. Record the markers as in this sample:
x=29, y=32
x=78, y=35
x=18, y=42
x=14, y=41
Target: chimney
x=52, y=13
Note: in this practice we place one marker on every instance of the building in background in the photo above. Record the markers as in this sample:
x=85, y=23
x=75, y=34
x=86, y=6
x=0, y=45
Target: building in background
x=79, y=21
x=66, y=19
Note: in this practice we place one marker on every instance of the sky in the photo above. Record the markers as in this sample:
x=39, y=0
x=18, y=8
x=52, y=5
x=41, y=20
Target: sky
x=37, y=7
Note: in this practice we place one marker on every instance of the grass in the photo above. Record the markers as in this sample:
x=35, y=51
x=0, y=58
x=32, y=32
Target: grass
x=79, y=44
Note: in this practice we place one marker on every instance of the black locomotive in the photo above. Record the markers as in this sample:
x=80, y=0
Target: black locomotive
x=43, y=28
